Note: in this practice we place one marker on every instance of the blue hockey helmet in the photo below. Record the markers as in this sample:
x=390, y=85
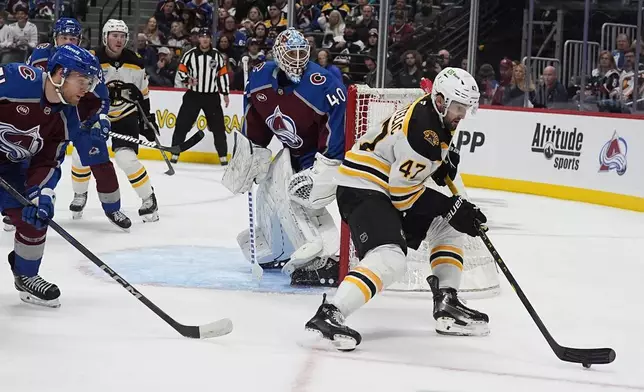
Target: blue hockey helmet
x=72, y=58
x=67, y=26
x=291, y=52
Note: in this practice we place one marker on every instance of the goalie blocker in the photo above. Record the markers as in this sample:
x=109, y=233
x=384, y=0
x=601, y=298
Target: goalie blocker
x=294, y=230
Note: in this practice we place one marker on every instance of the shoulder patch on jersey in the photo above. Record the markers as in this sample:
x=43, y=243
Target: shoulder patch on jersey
x=42, y=46
x=431, y=137
x=27, y=72
x=317, y=79
x=259, y=66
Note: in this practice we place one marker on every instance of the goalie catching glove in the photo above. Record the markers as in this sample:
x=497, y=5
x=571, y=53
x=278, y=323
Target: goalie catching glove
x=314, y=187
x=249, y=163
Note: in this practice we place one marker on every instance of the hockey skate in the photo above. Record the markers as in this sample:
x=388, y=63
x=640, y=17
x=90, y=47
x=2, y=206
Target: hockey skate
x=223, y=161
x=34, y=289
x=78, y=205
x=322, y=272
x=120, y=220
x=453, y=317
x=149, y=210
x=8, y=225
x=174, y=158
x=328, y=322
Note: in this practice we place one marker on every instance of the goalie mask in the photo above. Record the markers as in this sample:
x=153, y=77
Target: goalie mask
x=291, y=52
x=459, y=92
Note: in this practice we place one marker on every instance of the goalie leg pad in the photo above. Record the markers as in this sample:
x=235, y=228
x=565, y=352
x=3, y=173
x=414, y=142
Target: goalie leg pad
x=249, y=163
x=291, y=230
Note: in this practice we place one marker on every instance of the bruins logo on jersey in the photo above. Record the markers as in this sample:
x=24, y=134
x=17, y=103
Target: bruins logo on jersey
x=431, y=137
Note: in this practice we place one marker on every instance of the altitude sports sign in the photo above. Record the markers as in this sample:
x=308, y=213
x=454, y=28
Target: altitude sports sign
x=598, y=159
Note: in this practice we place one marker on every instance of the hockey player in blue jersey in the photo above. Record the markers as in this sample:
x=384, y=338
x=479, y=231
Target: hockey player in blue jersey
x=90, y=156
x=304, y=106
x=39, y=110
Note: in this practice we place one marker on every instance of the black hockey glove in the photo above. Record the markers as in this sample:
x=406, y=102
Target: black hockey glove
x=145, y=130
x=448, y=167
x=464, y=216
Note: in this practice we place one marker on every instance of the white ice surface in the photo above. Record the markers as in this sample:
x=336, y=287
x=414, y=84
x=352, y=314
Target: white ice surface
x=580, y=265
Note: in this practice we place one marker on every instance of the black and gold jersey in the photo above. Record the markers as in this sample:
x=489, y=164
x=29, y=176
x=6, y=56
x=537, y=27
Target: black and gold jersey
x=128, y=68
x=397, y=158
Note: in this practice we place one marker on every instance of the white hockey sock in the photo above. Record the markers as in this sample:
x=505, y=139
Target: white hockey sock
x=447, y=265
x=80, y=174
x=378, y=269
x=127, y=160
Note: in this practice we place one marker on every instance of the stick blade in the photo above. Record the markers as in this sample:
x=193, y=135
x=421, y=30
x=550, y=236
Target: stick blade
x=587, y=355
x=170, y=172
x=258, y=271
x=191, y=142
x=218, y=328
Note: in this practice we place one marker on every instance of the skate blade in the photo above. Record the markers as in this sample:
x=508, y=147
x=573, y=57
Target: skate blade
x=153, y=217
x=339, y=342
x=77, y=215
x=32, y=299
x=448, y=326
x=125, y=229
x=9, y=228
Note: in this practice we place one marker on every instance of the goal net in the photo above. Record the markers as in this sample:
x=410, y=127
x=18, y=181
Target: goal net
x=367, y=108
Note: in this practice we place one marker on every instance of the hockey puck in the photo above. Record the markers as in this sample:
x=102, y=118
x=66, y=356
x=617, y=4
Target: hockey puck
x=586, y=365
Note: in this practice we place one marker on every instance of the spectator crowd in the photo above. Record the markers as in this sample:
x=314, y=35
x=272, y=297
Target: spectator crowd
x=343, y=36
x=344, y=39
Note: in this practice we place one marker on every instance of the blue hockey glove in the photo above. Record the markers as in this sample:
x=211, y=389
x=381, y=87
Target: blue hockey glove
x=42, y=208
x=100, y=131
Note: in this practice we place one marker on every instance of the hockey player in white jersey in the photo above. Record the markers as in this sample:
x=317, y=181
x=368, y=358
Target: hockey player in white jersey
x=122, y=66
x=382, y=197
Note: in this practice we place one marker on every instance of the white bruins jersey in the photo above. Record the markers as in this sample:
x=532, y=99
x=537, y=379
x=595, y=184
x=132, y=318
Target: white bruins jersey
x=128, y=68
x=399, y=157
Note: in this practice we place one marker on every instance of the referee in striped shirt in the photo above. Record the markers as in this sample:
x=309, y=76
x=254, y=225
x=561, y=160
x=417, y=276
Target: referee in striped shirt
x=203, y=71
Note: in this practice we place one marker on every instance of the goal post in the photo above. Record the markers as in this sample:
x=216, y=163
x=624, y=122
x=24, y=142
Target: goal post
x=367, y=108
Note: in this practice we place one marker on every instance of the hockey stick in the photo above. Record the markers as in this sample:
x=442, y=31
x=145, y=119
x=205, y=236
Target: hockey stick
x=256, y=269
x=210, y=330
x=585, y=356
x=116, y=87
x=170, y=170
x=188, y=144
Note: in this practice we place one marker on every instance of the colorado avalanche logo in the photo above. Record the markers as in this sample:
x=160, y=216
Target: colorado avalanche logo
x=284, y=128
x=613, y=155
x=27, y=72
x=317, y=79
x=18, y=145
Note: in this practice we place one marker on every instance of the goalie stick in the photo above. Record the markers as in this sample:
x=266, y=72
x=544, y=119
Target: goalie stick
x=256, y=269
x=210, y=330
x=585, y=356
